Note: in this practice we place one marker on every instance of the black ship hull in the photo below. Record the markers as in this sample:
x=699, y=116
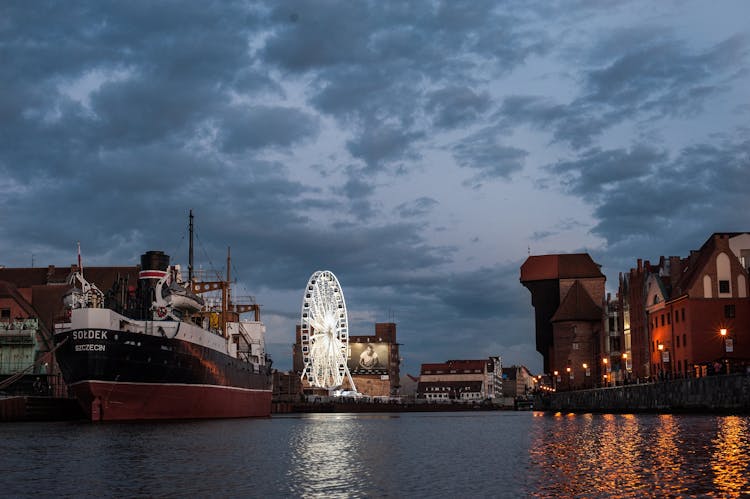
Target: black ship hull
x=124, y=375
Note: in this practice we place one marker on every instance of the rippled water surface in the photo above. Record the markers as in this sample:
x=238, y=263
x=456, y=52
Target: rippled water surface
x=481, y=454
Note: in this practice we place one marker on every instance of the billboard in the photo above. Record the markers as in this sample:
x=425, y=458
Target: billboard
x=368, y=358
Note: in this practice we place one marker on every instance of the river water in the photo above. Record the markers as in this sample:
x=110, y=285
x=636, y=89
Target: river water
x=476, y=454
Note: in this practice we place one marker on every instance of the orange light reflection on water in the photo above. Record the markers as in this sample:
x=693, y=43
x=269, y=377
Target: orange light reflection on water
x=729, y=461
x=584, y=455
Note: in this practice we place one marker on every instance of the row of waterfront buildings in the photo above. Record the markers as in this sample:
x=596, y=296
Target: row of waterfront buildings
x=375, y=366
x=679, y=317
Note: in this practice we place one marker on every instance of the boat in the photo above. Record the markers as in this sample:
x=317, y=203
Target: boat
x=159, y=351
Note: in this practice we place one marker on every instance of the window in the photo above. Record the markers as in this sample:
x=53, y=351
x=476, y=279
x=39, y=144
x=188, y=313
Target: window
x=678, y=342
x=677, y=316
x=684, y=340
x=669, y=318
x=723, y=286
x=5, y=313
x=611, y=323
x=683, y=315
x=662, y=319
x=575, y=346
x=729, y=311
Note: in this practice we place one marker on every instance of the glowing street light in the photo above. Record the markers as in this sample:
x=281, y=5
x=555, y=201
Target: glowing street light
x=723, y=331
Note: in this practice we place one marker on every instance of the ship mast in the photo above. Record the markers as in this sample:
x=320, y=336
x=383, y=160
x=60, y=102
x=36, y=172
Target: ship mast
x=190, y=255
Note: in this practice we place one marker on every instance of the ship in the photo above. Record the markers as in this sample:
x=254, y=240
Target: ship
x=159, y=351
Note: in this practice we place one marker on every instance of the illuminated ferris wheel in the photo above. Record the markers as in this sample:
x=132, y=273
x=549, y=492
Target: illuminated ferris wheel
x=324, y=332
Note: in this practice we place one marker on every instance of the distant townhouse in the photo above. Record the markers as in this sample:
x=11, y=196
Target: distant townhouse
x=518, y=382
x=461, y=380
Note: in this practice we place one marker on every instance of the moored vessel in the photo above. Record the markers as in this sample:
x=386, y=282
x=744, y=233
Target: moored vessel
x=159, y=351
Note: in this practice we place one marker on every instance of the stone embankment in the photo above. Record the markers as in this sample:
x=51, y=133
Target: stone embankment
x=711, y=394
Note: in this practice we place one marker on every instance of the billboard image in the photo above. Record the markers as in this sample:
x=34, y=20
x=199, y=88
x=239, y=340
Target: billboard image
x=368, y=358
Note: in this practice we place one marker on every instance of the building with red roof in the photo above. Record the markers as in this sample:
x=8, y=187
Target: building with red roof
x=567, y=293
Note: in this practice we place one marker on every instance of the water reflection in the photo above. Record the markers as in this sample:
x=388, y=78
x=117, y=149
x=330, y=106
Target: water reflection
x=729, y=460
x=645, y=455
x=327, y=457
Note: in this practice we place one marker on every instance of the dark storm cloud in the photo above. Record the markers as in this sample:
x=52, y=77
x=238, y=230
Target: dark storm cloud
x=376, y=66
x=254, y=127
x=417, y=208
x=384, y=144
x=595, y=171
x=484, y=153
x=664, y=76
x=454, y=106
x=645, y=198
x=641, y=73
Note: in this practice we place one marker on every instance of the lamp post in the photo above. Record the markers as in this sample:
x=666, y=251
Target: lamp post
x=660, y=348
x=570, y=377
x=587, y=373
x=728, y=346
x=555, y=380
x=605, y=361
x=625, y=365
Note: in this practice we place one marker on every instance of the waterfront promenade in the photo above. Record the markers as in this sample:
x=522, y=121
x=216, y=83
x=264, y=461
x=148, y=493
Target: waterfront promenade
x=710, y=394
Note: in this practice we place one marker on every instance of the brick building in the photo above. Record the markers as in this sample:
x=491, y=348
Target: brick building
x=698, y=310
x=567, y=293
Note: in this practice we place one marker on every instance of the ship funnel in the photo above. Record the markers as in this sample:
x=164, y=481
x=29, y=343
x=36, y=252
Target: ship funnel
x=154, y=260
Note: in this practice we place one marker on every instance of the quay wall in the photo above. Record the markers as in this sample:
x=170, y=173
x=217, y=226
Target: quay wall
x=711, y=394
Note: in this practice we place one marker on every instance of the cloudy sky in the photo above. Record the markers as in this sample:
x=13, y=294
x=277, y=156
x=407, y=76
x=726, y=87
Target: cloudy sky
x=419, y=150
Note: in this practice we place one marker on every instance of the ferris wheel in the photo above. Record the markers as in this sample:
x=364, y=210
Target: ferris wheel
x=324, y=332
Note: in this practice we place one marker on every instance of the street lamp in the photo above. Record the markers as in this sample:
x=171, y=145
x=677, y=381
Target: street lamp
x=555, y=380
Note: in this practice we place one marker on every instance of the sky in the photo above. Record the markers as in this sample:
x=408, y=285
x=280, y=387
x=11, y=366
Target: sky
x=418, y=150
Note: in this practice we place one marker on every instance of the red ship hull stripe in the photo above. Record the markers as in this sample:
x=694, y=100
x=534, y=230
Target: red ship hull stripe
x=113, y=401
x=148, y=274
